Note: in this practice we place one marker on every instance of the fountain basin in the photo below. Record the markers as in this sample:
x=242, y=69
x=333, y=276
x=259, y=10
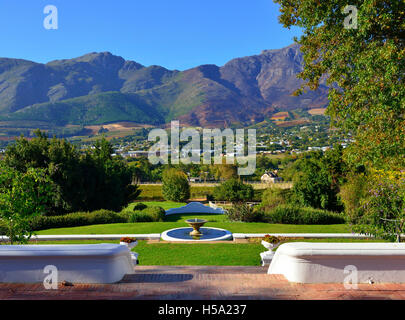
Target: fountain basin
x=207, y=234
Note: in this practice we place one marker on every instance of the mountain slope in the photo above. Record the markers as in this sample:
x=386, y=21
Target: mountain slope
x=102, y=88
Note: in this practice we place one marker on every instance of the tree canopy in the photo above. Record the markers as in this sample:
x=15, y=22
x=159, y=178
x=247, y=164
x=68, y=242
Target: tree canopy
x=362, y=64
x=84, y=181
x=23, y=196
x=234, y=190
x=175, y=185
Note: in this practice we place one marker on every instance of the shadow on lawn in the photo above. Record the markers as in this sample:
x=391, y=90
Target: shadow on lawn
x=156, y=278
x=185, y=216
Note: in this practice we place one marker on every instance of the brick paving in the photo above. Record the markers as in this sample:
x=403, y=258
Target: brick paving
x=203, y=283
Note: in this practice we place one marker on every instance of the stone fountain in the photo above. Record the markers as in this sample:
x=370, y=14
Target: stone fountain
x=196, y=224
x=196, y=233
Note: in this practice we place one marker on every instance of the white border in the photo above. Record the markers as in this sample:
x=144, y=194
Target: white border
x=227, y=236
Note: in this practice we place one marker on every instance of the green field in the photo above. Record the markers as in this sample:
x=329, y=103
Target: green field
x=199, y=254
x=164, y=204
x=234, y=227
x=154, y=192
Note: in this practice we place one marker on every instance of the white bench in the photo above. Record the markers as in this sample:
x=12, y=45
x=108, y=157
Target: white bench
x=97, y=263
x=304, y=262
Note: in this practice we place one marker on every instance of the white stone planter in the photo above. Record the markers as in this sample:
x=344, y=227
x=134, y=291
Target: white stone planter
x=134, y=258
x=344, y=263
x=270, y=246
x=130, y=245
x=90, y=263
x=267, y=256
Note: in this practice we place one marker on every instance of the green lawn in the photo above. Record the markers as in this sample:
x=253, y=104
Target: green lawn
x=234, y=227
x=177, y=221
x=169, y=254
x=199, y=254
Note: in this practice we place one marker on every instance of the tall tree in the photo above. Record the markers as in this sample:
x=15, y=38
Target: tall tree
x=314, y=186
x=234, y=190
x=363, y=64
x=84, y=182
x=22, y=196
x=175, y=185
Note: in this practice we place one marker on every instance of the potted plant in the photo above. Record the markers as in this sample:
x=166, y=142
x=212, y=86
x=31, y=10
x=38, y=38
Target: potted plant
x=129, y=242
x=270, y=242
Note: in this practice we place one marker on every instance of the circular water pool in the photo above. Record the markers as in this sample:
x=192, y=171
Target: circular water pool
x=208, y=234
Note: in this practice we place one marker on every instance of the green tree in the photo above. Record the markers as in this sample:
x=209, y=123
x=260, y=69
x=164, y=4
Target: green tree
x=384, y=208
x=313, y=186
x=364, y=67
x=234, y=190
x=175, y=185
x=224, y=171
x=22, y=197
x=84, y=181
x=353, y=193
x=273, y=197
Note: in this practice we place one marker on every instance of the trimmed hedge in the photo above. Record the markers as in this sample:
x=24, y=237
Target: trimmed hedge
x=78, y=219
x=287, y=214
x=140, y=206
x=157, y=214
x=139, y=216
x=147, y=214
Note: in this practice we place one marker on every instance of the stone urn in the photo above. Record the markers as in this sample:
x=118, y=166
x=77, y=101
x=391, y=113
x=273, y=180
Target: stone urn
x=270, y=246
x=196, y=224
x=130, y=244
x=267, y=256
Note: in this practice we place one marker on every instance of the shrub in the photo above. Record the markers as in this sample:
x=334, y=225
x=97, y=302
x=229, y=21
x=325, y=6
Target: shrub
x=86, y=181
x=244, y=213
x=150, y=214
x=273, y=197
x=271, y=239
x=353, y=193
x=78, y=219
x=139, y=216
x=3, y=228
x=156, y=213
x=140, y=206
x=315, y=186
x=233, y=190
x=288, y=214
x=175, y=185
x=384, y=207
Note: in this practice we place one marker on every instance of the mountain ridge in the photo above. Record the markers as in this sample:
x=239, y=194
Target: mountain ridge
x=99, y=88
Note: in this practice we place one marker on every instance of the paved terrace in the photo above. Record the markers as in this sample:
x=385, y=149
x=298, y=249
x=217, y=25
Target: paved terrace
x=207, y=282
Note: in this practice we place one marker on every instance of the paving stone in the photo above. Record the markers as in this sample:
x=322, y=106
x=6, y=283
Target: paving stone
x=203, y=283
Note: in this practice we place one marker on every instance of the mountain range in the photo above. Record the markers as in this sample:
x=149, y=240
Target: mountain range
x=100, y=88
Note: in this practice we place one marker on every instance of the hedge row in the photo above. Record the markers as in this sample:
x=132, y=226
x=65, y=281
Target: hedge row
x=287, y=214
x=149, y=214
x=77, y=219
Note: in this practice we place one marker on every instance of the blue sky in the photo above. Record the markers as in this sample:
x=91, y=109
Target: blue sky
x=176, y=34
